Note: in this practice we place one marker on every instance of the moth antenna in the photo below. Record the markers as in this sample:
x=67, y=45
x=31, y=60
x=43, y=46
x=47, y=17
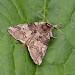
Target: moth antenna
x=44, y=17
x=57, y=27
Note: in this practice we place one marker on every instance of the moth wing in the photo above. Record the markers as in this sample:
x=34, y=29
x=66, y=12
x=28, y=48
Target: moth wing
x=37, y=50
x=20, y=32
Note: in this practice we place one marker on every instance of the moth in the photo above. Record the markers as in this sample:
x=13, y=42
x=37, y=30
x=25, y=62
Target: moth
x=35, y=36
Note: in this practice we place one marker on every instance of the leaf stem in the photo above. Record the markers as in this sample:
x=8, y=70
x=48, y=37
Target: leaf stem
x=44, y=11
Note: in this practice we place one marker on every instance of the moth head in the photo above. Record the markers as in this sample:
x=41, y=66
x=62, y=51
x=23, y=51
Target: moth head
x=46, y=26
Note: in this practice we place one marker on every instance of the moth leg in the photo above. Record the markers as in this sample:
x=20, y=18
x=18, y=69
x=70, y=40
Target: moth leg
x=51, y=35
x=54, y=37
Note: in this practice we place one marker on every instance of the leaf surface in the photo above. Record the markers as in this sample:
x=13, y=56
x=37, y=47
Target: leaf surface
x=60, y=56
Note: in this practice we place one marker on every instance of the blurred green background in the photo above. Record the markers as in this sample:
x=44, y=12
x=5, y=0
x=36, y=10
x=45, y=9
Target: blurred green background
x=60, y=56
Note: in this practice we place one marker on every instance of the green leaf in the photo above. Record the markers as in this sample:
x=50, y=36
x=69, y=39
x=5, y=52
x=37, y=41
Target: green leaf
x=60, y=56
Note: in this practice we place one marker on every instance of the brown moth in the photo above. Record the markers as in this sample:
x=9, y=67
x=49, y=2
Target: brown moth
x=35, y=36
